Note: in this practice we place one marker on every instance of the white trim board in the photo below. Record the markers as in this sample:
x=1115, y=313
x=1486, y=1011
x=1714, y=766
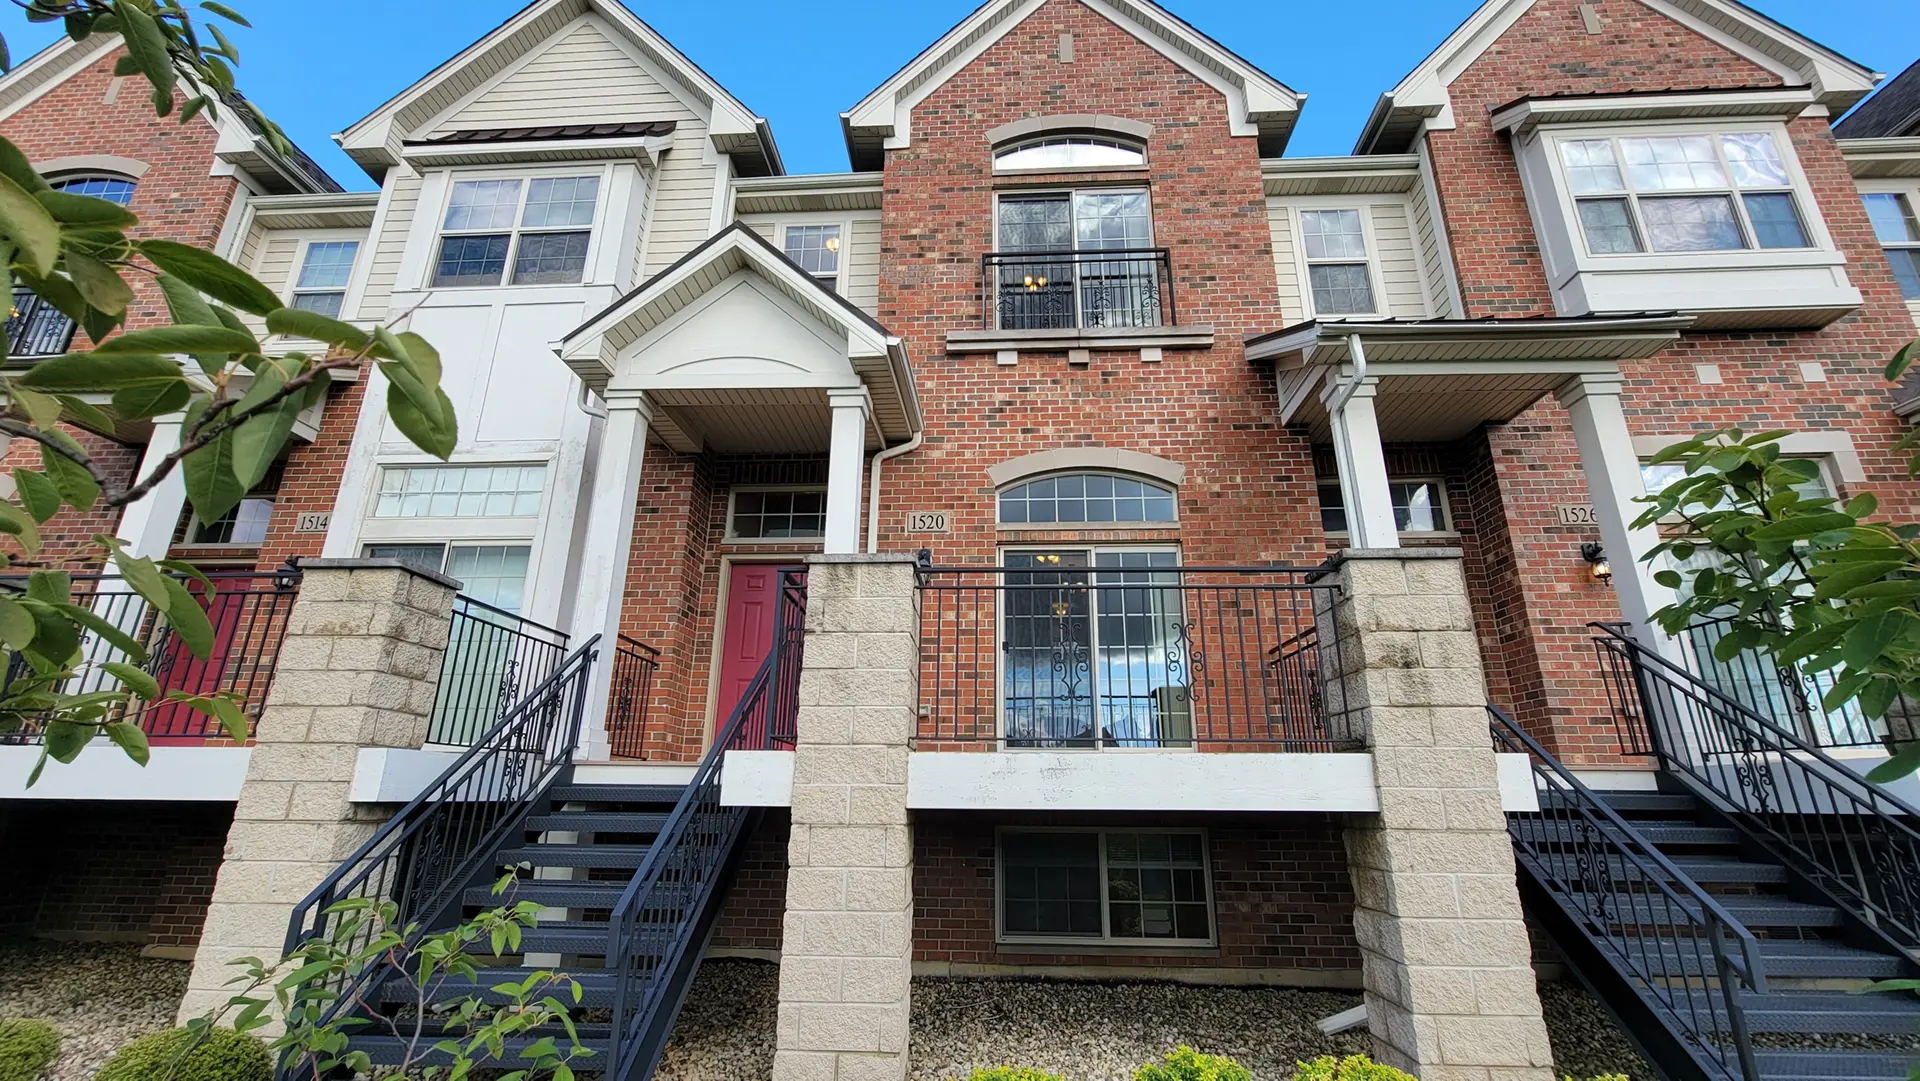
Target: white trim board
x=104, y=772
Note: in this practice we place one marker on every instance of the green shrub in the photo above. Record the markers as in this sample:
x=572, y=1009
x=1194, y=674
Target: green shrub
x=1185, y=1064
x=1356, y=1068
x=1012, y=1073
x=226, y=1056
x=27, y=1048
x=1605, y=1077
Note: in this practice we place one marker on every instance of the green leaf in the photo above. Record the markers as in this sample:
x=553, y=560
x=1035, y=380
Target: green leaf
x=84, y=213
x=426, y=359
x=1905, y=587
x=98, y=283
x=32, y=230
x=113, y=635
x=1900, y=361
x=148, y=47
x=15, y=166
x=211, y=275
x=1837, y=579
x=66, y=741
x=301, y=323
x=76, y=485
x=138, y=680
x=85, y=413
x=151, y=400
x=1870, y=637
x=53, y=637
x=189, y=620
x=81, y=372
x=130, y=739
x=1803, y=527
x=42, y=409
x=225, y=12
x=185, y=302
x=1903, y=763
x=16, y=624
x=37, y=494
x=258, y=440
x=212, y=485
x=19, y=524
x=431, y=435
x=180, y=338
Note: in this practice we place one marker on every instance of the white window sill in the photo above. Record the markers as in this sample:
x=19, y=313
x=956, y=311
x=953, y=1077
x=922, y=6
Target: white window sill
x=1105, y=947
x=1058, y=341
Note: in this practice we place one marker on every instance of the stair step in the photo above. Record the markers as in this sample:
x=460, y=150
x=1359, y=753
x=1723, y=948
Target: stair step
x=1660, y=834
x=574, y=939
x=1721, y=870
x=597, y=822
x=387, y=1050
x=1832, y=1065
x=1786, y=958
x=617, y=793
x=567, y=893
x=623, y=857
x=1831, y=1012
x=1649, y=801
x=1756, y=913
x=596, y=988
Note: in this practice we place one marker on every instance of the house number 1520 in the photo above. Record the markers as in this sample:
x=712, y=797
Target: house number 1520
x=927, y=521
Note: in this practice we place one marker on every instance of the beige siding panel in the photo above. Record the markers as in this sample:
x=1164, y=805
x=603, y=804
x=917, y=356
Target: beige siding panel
x=390, y=246
x=1285, y=264
x=1432, y=262
x=683, y=200
x=584, y=78
x=250, y=244
x=862, y=272
x=1399, y=265
x=766, y=225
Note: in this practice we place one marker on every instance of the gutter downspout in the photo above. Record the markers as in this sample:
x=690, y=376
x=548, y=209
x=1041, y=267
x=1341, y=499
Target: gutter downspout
x=873, y=486
x=1346, y=391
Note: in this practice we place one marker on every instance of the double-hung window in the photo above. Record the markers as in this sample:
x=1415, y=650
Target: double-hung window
x=1898, y=231
x=526, y=231
x=1338, y=271
x=1683, y=193
x=1076, y=259
x=817, y=249
x=1419, y=506
x=324, y=270
x=1124, y=887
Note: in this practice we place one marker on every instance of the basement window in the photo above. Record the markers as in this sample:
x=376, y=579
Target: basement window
x=1114, y=887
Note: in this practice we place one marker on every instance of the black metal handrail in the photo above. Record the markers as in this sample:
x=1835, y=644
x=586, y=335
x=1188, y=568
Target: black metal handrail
x=1848, y=837
x=440, y=843
x=1658, y=927
x=1217, y=658
x=248, y=613
x=492, y=656
x=1065, y=290
x=630, y=697
x=654, y=925
x=36, y=328
x=1784, y=694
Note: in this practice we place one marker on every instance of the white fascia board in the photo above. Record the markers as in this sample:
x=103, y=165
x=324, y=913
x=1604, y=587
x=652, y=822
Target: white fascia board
x=646, y=150
x=104, y=772
x=756, y=779
x=1140, y=781
x=882, y=110
x=44, y=66
x=1300, y=341
x=1523, y=117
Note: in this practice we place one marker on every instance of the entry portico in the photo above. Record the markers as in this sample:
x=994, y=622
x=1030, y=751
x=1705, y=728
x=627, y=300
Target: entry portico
x=733, y=350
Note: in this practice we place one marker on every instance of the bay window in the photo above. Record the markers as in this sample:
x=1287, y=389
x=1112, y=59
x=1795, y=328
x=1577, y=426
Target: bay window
x=540, y=227
x=1682, y=193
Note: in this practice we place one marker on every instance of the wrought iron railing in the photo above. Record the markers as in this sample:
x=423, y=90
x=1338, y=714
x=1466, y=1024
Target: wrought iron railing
x=1848, y=837
x=1218, y=658
x=36, y=328
x=630, y=697
x=493, y=656
x=1783, y=694
x=442, y=841
x=1665, y=935
x=249, y=617
x=655, y=925
x=1066, y=290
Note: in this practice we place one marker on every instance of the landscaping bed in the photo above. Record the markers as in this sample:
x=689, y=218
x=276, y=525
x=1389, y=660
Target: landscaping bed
x=99, y=995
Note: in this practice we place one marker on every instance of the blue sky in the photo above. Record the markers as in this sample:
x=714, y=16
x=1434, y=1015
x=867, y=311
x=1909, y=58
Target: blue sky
x=317, y=66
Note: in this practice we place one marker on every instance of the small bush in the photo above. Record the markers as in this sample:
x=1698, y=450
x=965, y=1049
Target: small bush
x=1185, y=1064
x=27, y=1048
x=225, y=1056
x=1012, y=1073
x=1355, y=1068
x=1605, y=1077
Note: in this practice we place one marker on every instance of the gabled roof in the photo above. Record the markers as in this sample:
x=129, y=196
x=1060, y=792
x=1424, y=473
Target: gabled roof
x=374, y=140
x=1892, y=112
x=1421, y=100
x=1257, y=103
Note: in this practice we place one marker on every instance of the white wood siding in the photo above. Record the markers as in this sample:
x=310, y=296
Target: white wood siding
x=1399, y=265
x=859, y=269
x=584, y=78
x=682, y=199
x=1286, y=264
x=391, y=245
x=1433, y=263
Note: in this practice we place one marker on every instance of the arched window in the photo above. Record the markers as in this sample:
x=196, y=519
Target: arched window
x=1088, y=499
x=1069, y=152
x=114, y=189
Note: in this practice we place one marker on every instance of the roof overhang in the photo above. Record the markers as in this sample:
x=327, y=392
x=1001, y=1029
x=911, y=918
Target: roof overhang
x=1440, y=379
x=1523, y=116
x=1257, y=104
x=1880, y=158
x=1422, y=101
x=820, y=191
x=336, y=210
x=1365, y=175
x=644, y=149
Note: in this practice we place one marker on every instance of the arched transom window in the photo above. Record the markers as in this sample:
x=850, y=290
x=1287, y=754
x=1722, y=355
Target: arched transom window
x=1087, y=499
x=1069, y=152
x=114, y=189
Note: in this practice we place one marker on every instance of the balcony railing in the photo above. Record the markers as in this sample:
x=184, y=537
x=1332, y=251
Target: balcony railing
x=1090, y=658
x=493, y=658
x=1072, y=290
x=36, y=328
x=249, y=617
x=630, y=697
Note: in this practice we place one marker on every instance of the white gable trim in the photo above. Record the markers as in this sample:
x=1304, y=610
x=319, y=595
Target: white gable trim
x=50, y=67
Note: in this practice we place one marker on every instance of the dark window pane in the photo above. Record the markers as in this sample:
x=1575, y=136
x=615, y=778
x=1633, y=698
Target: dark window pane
x=1049, y=882
x=471, y=260
x=1609, y=226
x=1776, y=224
x=1906, y=270
x=327, y=304
x=111, y=188
x=550, y=259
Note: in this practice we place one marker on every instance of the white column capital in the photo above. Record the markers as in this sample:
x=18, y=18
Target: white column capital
x=1338, y=388
x=851, y=398
x=1571, y=392
x=630, y=401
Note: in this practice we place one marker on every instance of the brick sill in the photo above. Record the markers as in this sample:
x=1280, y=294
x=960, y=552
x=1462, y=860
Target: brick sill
x=1059, y=341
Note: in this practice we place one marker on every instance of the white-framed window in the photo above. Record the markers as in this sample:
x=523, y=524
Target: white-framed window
x=1099, y=499
x=1124, y=887
x=493, y=574
x=460, y=491
x=817, y=248
x=1656, y=478
x=112, y=188
x=1050, y=267
x=1683, y=192
x=325, y=268
x=1419, y=505
x=757, y=513
x=1339, y=261
x=1050, y=153
x=532, y=230
x=245, y=525
x=1898, y=231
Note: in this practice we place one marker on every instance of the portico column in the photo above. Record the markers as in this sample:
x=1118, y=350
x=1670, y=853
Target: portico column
x=846, y=468
x=1612, y=467
x=1362, y=465
x=602, y=583
x=148, y=523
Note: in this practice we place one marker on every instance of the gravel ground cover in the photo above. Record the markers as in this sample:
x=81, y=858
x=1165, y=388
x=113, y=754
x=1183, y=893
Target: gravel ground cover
x=98, y=995
x=1586, y=1040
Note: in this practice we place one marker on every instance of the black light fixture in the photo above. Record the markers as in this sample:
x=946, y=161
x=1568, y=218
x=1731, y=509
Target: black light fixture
x=1597, y=563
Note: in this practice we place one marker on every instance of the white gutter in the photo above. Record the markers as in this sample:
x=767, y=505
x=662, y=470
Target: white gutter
x=873, y=486
x=1347, y=390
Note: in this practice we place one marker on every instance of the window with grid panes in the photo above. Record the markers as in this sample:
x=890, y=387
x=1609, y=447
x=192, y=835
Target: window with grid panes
x=1338, y=272
x=1419, y=506
x=1069, y=152
x=1117, y=886
x=1895, y=226
x=539, y=227
x=324, y=271
x=817, y=249
x=114, y=189
x=778, y=514
x=487, y=491
x=1683, y=193
x=1088, y=498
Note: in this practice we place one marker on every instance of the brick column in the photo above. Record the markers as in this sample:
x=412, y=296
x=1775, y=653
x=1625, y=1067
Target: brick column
x=358, y=669
x=847, y=952
x=1450, y=986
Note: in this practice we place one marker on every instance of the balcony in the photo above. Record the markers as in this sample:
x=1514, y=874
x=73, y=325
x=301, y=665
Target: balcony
x=1078, y=300
x=36, y=328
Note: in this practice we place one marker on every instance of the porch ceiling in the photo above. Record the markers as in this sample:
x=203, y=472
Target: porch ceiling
x=785, y=420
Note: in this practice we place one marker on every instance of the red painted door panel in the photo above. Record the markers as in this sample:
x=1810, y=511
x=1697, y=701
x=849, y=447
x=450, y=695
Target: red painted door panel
x=753, y=595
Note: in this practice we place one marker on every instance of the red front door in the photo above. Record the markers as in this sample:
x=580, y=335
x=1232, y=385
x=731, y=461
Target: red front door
x=753, y=596
x=179, y=670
